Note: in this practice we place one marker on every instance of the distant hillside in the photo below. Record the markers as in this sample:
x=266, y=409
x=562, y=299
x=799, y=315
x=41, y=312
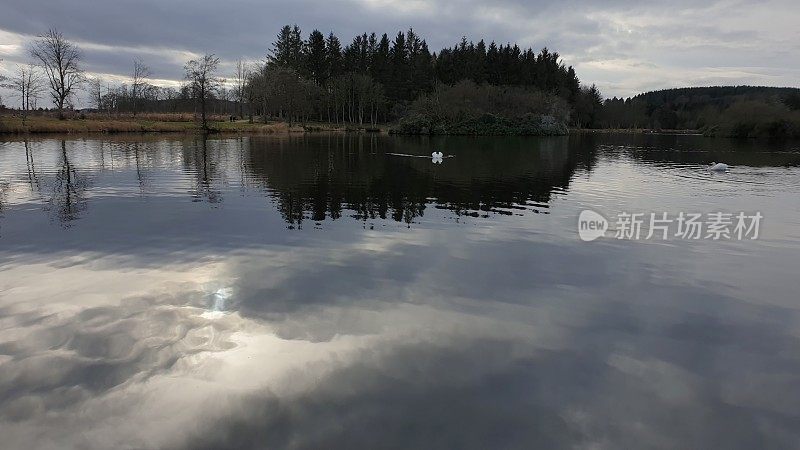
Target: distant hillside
x=716, y=95
x=738, y=111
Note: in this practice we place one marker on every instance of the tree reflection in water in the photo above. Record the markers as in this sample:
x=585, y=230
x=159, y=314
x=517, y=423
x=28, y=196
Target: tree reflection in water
x=202, y=165
x=66, y=196
x=316, y=177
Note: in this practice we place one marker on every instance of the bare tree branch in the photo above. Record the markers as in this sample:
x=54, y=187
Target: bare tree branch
x=202, y=82
x=27, y=86
x=60, y=60
x=141, y=73
x=240, y=79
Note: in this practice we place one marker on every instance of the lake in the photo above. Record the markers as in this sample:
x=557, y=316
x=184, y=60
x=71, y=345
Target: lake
x=317, y=291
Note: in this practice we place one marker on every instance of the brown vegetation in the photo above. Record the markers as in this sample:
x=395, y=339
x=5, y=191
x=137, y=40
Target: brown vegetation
x=147, y=123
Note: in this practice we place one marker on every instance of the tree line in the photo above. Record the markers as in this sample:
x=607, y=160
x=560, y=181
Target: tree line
x=376, y=78
x=373, y=79
x=57, y=70
x=734, y=111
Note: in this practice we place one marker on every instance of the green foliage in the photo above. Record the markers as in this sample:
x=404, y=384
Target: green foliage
x=471, y=109
x=742, y=111
x=756, y=119
x=792, y=101
x=512, y=66
x=287, y=50
x=588, y=107
x=333, y=55
x=316, y=60
x=405, y=69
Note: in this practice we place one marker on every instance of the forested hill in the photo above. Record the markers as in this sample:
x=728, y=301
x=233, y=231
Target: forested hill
x=721, y=110
x=717, y=97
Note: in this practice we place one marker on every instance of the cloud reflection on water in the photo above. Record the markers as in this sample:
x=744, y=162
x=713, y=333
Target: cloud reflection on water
x=502, y=333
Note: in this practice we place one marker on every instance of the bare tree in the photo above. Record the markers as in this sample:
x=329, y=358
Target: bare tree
x=35, y=87
x=96, y=92
x=224, y=95
x=61, y=62
x=27, y=86
x=240, y=80
x=202, y=82
x=141, y=73
x=1, y=80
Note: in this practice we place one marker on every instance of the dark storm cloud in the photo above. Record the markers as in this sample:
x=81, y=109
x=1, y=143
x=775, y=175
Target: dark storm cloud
x=685, y=42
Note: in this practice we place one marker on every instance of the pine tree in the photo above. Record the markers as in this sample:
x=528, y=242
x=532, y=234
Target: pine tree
x=333, y=54
x=287, y=50
x=422, y=74
x=477, y=68
x=316, y=64
x=398, y=56
x=379, y=68
x=493, y=64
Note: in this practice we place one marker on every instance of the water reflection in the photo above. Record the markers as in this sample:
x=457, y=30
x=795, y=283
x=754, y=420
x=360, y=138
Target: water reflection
x=197, y=163
x=429, y=306
x=318, y=178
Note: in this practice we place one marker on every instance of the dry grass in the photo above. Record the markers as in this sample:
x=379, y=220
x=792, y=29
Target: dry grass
x=152, y=117
x=148, y=123
x=38, y=124
x=246, y=127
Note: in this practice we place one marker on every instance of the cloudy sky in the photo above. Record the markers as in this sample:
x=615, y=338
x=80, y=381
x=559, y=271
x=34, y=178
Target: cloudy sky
x=623, y=46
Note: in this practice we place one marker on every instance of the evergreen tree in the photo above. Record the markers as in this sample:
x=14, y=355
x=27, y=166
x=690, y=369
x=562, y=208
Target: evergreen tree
x=287, y=50
x=333, y=54
x=477, y=63
x=405, y=69
x=398, y=57
x=493, y=64
x=422, y=74
x=380, y=67
x=316, y=64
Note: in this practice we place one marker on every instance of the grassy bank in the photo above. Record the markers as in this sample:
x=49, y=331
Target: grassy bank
x=45, y=124
x=632, y=131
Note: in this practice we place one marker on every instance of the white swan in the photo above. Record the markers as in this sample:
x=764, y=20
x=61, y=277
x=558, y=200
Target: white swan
x=436, y=155
x=718, y=167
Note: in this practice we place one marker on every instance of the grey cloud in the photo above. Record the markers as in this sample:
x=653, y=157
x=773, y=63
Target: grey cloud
x=698, y=365
x=709, y=35
x=450, y=399
x=66, y=360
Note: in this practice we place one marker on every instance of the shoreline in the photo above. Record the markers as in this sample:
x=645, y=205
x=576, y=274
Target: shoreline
x=635, y=131
x=38, y=125
x=43, y=125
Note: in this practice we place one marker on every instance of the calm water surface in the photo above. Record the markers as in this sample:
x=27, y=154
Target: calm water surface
x=315, y=292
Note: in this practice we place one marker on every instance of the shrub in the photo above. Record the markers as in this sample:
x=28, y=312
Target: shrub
x=756, y=119
x=471, y=109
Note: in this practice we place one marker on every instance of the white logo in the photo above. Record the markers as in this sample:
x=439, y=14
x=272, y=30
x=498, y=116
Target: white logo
x=591, y=225
x=683, y=226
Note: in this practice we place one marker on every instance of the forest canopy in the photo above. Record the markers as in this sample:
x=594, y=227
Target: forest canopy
x=731, y=111
x=381, y=79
